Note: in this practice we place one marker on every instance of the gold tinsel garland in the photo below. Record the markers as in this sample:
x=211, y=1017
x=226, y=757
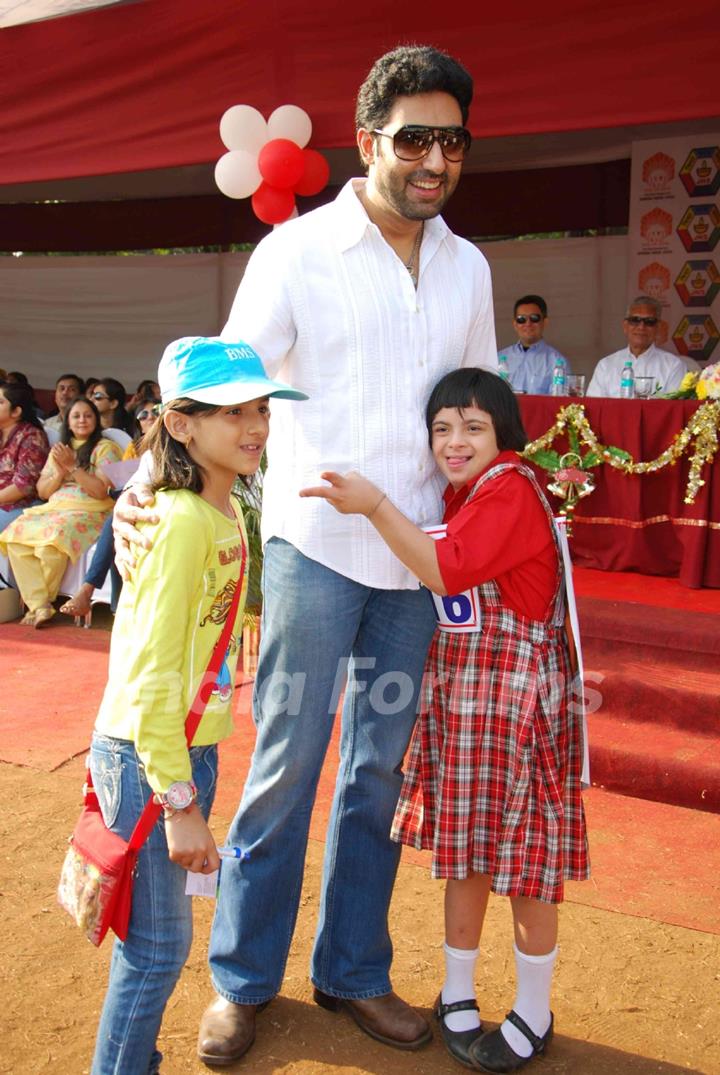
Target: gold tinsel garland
x=701, y=433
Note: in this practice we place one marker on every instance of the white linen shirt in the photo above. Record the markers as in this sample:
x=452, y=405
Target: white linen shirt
x=331, y=309
x=668, y=370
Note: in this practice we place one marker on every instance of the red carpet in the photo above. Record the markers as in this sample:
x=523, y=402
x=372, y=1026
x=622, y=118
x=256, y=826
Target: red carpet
x=650, y=859
x=653, y=590
x=653, y=676
x=53, y=681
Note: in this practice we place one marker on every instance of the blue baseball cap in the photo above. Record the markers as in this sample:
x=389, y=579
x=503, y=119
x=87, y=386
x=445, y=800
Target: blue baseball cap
x=212, y=370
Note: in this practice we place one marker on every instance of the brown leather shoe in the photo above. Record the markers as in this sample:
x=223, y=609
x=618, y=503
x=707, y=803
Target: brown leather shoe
x=387, y=1019
x=227, y=1031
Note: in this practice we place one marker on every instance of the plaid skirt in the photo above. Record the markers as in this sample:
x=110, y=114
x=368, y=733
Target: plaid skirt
x=492, y=781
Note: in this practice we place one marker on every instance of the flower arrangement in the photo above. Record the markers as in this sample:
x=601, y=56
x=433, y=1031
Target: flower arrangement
x=702, y=385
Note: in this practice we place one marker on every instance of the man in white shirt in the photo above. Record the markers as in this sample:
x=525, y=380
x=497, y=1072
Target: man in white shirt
x=531, y=361
x=640, y=327
x=67, y=387
x=365, y=303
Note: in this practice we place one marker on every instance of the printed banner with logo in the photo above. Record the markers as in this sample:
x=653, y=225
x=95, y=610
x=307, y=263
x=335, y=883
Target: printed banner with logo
x=675, y=240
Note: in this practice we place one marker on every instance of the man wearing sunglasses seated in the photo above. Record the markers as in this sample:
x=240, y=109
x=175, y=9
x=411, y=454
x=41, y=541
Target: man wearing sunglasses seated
x=531, y=361
x=640, y=326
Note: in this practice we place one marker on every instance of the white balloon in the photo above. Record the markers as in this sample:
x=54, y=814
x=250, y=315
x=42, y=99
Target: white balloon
x=243, y=127
x=237, y=174
x=289, y=121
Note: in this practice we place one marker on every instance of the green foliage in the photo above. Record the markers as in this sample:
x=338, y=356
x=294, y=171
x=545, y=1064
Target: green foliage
x=546, y=459
x=250, y=496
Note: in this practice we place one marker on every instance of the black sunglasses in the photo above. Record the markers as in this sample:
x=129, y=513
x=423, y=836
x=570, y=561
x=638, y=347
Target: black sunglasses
x=522, y=318
x=651, y=322
x=413, y=142
x=142, y=415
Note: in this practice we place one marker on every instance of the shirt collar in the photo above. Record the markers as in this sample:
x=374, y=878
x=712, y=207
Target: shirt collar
x=353, y=222
x=537, y=346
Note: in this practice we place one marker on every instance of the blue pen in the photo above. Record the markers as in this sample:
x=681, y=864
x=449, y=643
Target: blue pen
x=233, y=853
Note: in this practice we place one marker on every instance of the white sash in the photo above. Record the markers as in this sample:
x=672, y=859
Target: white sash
x=579, y=699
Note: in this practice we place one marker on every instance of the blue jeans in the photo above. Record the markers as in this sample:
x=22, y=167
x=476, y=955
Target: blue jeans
x=313, y=621
x=145, y=967
x=104, y=561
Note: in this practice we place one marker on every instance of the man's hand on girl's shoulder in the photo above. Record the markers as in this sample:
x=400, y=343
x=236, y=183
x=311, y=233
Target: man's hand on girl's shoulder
x=132, y=507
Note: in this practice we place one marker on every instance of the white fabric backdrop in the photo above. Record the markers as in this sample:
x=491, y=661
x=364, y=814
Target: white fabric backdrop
x=112, y=316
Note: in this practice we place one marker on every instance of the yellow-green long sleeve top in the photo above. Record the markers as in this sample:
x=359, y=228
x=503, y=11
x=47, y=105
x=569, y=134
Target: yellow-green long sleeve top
x=170, y=615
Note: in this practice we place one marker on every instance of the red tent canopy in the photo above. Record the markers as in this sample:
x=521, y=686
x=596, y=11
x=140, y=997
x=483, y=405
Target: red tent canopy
x=143, y=85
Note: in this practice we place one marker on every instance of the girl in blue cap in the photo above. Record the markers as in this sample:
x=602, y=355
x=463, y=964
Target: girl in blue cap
x=213, y=427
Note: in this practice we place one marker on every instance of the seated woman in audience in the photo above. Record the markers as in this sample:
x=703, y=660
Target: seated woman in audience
x=143, y=415
x=23, y=451
x=90, y=385
x=110, y=397
x=42, y=540
x=16, y=377
x=146, y=390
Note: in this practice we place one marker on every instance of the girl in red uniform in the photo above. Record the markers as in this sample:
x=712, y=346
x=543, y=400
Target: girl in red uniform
x=492, y=784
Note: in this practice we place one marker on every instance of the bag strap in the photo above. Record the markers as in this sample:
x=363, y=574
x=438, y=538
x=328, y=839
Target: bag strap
x=151, y=811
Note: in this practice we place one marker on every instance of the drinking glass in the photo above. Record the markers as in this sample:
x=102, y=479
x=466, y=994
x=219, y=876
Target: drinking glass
x=576, y=384
x=644, y=387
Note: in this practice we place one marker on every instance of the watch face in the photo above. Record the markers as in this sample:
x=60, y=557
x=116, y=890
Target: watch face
x=180, y=795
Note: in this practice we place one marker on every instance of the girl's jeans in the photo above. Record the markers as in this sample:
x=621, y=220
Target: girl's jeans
x=146, y=966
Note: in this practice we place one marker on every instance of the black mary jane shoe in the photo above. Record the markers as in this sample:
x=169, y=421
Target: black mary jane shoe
x=457, y=1042
x=493, y=1053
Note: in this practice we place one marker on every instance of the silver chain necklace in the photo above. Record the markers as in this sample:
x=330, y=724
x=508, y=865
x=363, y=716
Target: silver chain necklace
x=415, y=256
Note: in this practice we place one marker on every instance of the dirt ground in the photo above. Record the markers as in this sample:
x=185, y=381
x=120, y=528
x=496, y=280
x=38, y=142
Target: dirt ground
x=631, y=995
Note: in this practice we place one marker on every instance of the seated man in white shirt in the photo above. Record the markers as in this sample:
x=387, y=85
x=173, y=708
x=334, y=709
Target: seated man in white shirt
x=640, y=327
x=531, y=361
x=67, y=386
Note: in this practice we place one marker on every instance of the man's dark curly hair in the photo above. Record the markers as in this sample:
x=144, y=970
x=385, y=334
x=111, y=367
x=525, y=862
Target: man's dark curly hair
x=404, y=72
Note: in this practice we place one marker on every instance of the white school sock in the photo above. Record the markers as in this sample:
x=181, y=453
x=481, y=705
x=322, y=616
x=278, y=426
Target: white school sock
x=459, y=984
x=532, y=998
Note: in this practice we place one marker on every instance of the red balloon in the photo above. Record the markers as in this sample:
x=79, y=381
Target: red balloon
x=271, y=204
x=281, y=162
x=315, y=175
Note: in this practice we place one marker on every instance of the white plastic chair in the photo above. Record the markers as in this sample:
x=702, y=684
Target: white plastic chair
x=119, y=436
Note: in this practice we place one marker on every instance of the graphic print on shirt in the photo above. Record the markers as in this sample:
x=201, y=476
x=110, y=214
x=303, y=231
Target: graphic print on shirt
x=217, y=614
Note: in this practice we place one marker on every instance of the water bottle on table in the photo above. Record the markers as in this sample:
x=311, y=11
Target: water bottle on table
x=559, y=379
x=503, y=368
x=627, y=381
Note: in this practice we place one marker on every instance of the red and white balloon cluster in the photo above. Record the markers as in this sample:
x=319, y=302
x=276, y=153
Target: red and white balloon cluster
x=267, y=160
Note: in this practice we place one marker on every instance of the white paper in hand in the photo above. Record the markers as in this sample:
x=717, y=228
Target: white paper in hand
x=202, y=884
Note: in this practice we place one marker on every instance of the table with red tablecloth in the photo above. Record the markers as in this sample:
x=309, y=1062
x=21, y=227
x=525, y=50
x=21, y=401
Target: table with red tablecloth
x=639, y=522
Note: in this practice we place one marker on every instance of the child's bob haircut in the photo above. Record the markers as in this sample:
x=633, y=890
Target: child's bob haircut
x=473, y=387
